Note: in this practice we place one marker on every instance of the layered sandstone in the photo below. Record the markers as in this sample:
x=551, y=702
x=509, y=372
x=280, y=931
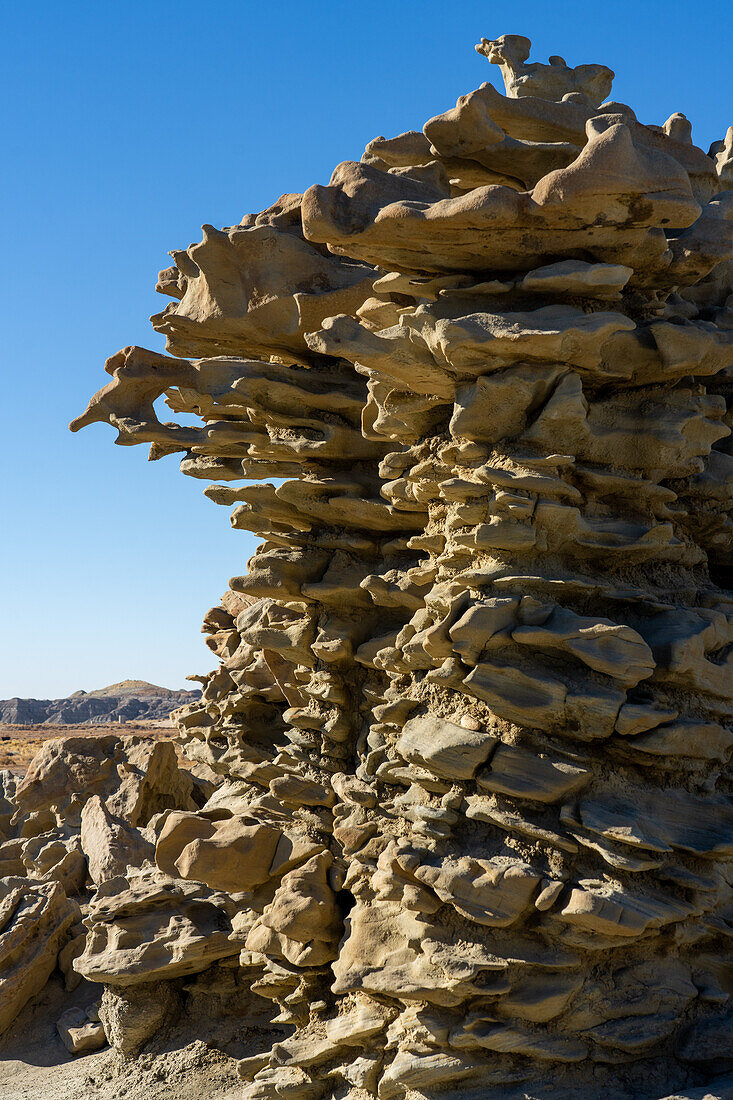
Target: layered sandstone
x=472, y=828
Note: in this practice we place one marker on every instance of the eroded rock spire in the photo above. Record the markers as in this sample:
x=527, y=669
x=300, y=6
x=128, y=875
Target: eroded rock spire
x=471, y=718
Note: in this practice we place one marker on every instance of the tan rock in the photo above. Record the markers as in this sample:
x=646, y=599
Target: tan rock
x=553, y=81
x=538, y=998
x=136, y=777
x=577, y=277
x=467, y=740
x=110, y=845
x=78, y=1033
x=8, y=783
x=506, y=1039
x=409, y=1071
x=179, y=829
x=301, y=924
x=130, y=1017
x=303, y=792
x=524, y=774
x=236, y=857
x=149, y=926
x=604, y=646
x=368, y=1018
x=493, y=894
x=620, y=913
x=72, y=950
x=444, y=748
x=34, y=920
x=56, y=856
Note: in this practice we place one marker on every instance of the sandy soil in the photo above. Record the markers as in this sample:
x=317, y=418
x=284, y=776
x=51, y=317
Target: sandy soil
x=35, y=1065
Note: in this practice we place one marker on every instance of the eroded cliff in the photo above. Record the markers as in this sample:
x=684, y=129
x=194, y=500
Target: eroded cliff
x=471, y=721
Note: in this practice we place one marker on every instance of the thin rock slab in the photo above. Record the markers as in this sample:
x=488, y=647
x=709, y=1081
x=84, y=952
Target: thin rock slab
x=445, y=748
x=34, y=921
x=150, y=926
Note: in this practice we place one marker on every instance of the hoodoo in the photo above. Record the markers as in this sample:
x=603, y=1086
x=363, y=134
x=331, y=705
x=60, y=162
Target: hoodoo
x=472, y=721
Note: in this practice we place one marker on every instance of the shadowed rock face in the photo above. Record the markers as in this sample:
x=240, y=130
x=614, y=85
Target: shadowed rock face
x=471, y=719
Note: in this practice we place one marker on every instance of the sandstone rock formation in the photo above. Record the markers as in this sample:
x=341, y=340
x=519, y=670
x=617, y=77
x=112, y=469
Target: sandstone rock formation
x=472, y=716
x=59, y=841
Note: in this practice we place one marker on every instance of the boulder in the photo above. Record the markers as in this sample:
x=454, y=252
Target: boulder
x=147, y=927
x=110, y=845
x=135, y=777
x=34, y=921
x=132, y=1016
x=235, y=857
x=78, y=1033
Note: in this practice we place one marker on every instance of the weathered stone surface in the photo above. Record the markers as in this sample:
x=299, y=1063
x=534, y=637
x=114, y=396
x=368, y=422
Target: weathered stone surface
x=55, y=856
x=8, y=783
x=179, y=829
x=445, y=748
x=72, y=950
x=301, y=923
x=147, y=926
x=34, y=920
x=78, y=1033
x=471, y=717
x=524, y=774
x=136, y=777
x=110, y=844
x=236, y=857
x=720, y=1089
x=492, y=894
x=368, y=1018
x=708, y=1044
x=671, y=820
x=132, y=1016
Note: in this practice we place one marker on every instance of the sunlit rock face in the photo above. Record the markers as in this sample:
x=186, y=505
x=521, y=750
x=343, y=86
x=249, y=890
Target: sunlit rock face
x=472, y=712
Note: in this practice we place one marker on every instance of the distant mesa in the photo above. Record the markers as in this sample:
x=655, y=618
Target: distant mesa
x=127, y=701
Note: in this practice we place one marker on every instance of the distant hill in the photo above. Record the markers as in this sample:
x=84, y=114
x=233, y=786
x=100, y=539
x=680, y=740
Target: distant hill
x=128, y=701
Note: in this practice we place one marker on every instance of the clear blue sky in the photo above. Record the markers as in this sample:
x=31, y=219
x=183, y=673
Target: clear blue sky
x=127, y=126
